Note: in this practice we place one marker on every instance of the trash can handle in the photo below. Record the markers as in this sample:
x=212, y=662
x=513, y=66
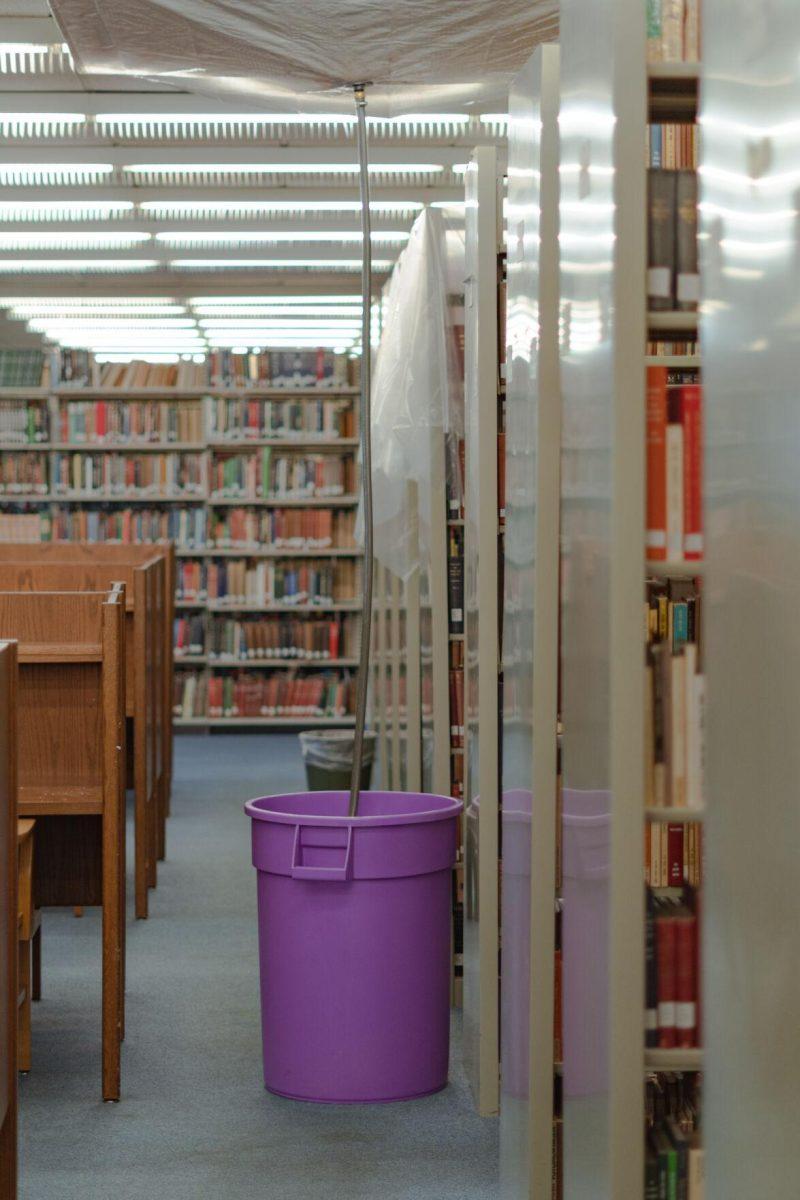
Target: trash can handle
x=331, y=874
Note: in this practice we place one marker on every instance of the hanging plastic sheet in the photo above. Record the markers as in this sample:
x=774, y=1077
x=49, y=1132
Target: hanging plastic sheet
x=290, y=56
x=410, y=397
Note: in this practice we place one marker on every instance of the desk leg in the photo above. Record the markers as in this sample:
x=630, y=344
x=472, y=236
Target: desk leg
x=141, y=818
x=113, y=943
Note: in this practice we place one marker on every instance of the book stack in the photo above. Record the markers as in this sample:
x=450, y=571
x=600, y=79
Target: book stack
x=77, y=368
x=457, y=696
x=157, y=475
x=673, y=147
x=281, y=694
x=672, y=972
x=308, y=639
x=672, y=346
x=138, y=374
x=454, y=476
x=239, y=419
x=278, y=369
x=226, y=369
x=263, y=474
x=674, y=695
x=673, y=280
x=282, y=528
x=674, y=466
x=188, y=635
x=128, y=526
x=23, y=474
x=24, y=422
x=673, y=30
x=673, y=854
x=24, y=368
x=25, y=526
x=674, y=1160
x=130, y=422
x=305, y=581
x=455, y=578
x=190, y=581
x=189, y=694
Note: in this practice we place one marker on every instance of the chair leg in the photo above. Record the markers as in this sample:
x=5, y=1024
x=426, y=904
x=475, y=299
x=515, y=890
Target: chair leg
x=36, y=967
x=24, y=1011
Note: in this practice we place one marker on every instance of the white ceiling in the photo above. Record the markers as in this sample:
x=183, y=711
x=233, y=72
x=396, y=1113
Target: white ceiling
x=115, y=187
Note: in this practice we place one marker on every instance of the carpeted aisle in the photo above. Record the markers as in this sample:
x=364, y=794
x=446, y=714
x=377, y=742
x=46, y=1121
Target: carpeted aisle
x=195, y=1121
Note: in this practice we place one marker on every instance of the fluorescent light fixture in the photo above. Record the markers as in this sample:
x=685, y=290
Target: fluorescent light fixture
x=17, y=266
x=218, y=118
x=186, y=237
x=184, y=208
x=112, y=322
x=282, y=298
x=10, y=121
x=42, y=312
x=275, y=311
x=129, y=355
x=62, y=303
x=61, y=210
x=280, y=264
x=69, y=239
x=38, y=172
x=283, y=167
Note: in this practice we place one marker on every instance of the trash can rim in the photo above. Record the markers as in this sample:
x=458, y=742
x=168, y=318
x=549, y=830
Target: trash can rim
x=449, y=807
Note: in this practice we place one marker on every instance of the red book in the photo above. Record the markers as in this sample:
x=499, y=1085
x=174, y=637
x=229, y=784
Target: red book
x=691, y=409
x=656, y=525
x=675, y=855
x=685, y=979
x=666, y=928
x=333, y=639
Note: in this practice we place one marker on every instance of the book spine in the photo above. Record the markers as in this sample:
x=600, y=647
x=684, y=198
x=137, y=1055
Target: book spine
x=691, y=399
x=674, y=492
x=687, y=277
x=665, y=957
x=656, y=528
x=661, y=239
x=685, y=980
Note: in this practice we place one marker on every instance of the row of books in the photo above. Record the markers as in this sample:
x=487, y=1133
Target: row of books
x=455, y=578
x=128, y=526
x=294, y=639
x=671, y=346
x=279, y=368
x=672, y=975
x=457, y=705
x=168, y=474
x=23, y=474
x=673, y=30
x=240, y=419
x=672, y=146
x=24, y=368
x=134, y=374
x=674, y=1156
x=292, y=476
x=328, y=694
x=24, y=421
x=674, y=519
x=674, y=696
x=130, y=421
x=283, y=637
x=673, y=281
x=673, y=854
x=189, y=635
x=233, y=581
x=286, y=528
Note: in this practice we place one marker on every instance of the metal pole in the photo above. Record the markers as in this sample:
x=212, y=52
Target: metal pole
x=366, y=449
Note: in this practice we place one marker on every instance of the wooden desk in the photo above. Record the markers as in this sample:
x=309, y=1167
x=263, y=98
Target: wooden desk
x=8, y=921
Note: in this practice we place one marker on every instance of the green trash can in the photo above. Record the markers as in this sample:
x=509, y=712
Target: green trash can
x=328, y=758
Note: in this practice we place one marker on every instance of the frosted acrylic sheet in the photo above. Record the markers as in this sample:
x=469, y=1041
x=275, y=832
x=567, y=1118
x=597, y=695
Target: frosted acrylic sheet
x=587, y=333
x=296, y=56
x=749, y=173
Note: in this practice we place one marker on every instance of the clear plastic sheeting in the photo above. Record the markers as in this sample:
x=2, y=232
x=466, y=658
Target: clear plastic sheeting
x=417, y=54
x=410, y=398
x=332, y=749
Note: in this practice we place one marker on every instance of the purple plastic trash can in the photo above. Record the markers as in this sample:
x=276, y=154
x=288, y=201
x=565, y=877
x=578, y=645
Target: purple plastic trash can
x=354, y=921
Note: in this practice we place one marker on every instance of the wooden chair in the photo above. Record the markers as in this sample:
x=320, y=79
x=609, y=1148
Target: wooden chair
x=71, y=768
x=144, y=588
x=29, y=984
x=8, y=921
x=118, y=555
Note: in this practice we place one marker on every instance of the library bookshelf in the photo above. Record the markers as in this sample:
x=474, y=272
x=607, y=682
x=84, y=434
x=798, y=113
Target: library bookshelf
x=194, y=480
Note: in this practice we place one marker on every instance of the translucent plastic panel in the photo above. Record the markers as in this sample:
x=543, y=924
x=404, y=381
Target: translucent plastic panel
x=750, y=175
x=587, y=336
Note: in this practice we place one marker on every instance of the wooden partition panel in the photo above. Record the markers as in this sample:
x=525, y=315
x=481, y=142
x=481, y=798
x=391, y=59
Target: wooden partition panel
x=144, y=694
x=8, y=921
x=71, y=739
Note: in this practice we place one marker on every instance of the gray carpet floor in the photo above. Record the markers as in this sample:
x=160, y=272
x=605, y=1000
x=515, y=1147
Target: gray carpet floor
x=195, y=1121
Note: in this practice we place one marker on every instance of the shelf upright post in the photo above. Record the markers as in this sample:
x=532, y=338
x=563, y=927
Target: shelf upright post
x=602, y=131
x=411, y=597
x=530, y=634
x=482, y=650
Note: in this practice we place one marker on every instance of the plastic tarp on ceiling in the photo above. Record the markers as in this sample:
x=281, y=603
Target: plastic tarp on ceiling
x=411, y=390
x=298, y=55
